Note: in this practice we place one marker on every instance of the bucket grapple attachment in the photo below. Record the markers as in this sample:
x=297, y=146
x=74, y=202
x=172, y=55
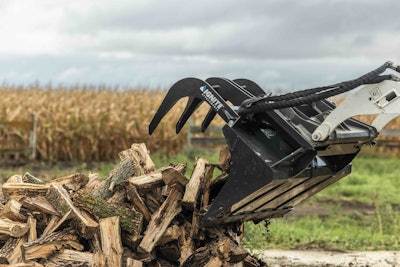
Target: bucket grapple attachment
x=284, y=148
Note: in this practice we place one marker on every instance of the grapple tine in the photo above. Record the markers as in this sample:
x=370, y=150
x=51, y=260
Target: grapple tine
x=194, y=88
x=207, y=120
x=250, y=86
x=231, y=91
x=191, y=106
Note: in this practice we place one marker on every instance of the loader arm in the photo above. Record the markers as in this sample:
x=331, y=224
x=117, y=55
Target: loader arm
x=284, y=148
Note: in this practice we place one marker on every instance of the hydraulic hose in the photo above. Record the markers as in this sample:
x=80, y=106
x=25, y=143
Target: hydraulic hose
x=307, y=96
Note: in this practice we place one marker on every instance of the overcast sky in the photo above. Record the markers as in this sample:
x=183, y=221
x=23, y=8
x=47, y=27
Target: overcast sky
x=285, y=44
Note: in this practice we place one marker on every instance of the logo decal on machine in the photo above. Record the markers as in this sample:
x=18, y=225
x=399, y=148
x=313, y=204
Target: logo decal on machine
x=211, y=98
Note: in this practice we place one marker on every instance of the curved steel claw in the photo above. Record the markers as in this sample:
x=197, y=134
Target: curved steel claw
x=227, y=89
x=250, y=86
x=197, y=91
x=235, y=91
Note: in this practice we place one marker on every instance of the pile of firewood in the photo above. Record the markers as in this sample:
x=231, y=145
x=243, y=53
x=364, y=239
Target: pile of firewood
x=136, y=216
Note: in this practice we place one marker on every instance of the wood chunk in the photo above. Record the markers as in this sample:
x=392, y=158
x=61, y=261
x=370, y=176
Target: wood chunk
x=39, y=203
x=60, y=199
x=214, y=262
x=223, y=248
x=118, y=197
x=94, y=183
x=11, y=210
x=172, y=176
x=137, y=200
x=171, y=234
x=12, y=228
x=51, y=225
x=99, y=260
x=15, y=179
x=29, y=178
x=147, y=182
x=111, y=241
x=7, y=249
x=195, y=183
x=153, y=201
x=133, y=263
x=70, y=257
x=16, y=190
x=186, y=245
x=118, y=176
x=24, y=264
x=72, y=182
x=141, y=155
x=56, y=222
x=45, y=246
x=161, y=220
x=32, y=229
x=15, y=255
x=131, y=220
x=224, y=159
x=207, y=187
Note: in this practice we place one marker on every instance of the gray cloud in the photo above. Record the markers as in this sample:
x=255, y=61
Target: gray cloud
x=266, y=29
x=289, y=44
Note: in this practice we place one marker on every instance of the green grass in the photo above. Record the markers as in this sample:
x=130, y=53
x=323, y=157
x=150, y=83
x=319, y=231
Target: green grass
x=373, y=185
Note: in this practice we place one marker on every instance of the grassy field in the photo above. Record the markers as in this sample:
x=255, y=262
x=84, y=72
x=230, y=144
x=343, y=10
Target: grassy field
x=360, y=212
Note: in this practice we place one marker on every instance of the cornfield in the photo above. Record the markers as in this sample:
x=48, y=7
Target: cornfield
x=91, y=123
x=88, y=123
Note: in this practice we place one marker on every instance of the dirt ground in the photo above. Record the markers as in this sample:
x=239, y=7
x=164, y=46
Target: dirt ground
x=281, y=258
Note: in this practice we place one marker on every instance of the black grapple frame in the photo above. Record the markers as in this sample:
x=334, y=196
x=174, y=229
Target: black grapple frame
x=284, y=148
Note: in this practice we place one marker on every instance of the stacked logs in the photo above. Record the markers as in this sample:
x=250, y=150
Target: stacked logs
x=136, y=216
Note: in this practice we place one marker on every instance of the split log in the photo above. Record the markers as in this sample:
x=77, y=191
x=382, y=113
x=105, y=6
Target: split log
x=32, y=229
x=195, y=183
x=224, y=159
x=72, y=182
x=7, y=249
x=56, y=222
x=155, y=179
x=186, y=243
x=61, y=200
x=137, y=200
x=161, y=220
x=124, y=170
x=19, y=190
x=39, y=203
x=172, y=176
x=171, y=234
x=133, y=263
x=12, y=228
x=51, y=225
x=118, y=197
x=70, y=257
x=11, y=251
x=14, y=179
x=45, y=246
x=140, y=153
x=111, y=241
x=214, y=262
x=134, y=161
x=11, y=210
x=131, y=221
x=224, y=249
x=147, y=182
x=29, y=178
